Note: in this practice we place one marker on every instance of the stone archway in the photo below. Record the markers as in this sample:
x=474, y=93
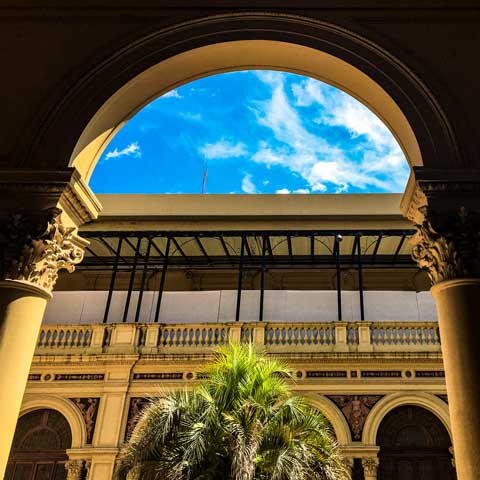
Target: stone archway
x=414, y=445
x=110, y=92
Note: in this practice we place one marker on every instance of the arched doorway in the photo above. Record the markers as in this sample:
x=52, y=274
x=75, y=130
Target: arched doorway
x=39, y=447
x=414, y=445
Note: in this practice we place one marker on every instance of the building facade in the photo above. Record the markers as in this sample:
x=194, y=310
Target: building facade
x=342, y=303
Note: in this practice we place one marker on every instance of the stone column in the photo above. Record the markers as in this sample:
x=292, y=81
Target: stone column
x=370, y=467
x=446, y=212
x=39, y=215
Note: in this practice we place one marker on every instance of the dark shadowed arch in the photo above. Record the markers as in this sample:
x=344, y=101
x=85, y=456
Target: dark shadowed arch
x=69, y=118
x=39, y=447
x=414, y=445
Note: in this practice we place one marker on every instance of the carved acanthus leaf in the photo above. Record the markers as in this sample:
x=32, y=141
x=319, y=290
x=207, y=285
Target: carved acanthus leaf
x=448, y=245
x=36, y=248
x=74, y=469
x=370, y=466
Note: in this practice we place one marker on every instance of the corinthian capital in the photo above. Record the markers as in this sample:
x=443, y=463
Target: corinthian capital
x=445, y=208
x=370, y=467
x=39, y=218
x=74, y=469
x=36, y=247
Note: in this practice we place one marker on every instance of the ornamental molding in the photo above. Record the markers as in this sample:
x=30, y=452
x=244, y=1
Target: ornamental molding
x=446, y=214
x=35, y=248
x=30, y=190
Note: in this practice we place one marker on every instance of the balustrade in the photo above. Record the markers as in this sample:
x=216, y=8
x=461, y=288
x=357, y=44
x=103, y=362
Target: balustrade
x=273, y=337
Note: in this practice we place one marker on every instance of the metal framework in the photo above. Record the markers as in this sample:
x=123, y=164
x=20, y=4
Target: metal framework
x=260, y=250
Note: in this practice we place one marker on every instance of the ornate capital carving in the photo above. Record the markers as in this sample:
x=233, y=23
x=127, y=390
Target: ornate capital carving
x=370, y=467
x=36, y=247
x=74, y=469
x=446, y=213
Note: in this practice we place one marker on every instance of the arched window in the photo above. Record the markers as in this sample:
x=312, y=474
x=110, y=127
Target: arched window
x=414, y=445
x=39, y=447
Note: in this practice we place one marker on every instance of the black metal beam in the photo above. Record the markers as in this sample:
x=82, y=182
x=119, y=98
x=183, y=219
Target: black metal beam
x=110, y=248
x=375, y=250
x=180, y=250
x=290, y=250
x=225, y=249
x=399, y=247
x=312, y=248
x=142, y=282
x=360, y=278
x=112, y=281
x=240, y=279
x=354, y=248
x=132, y=279
x=336, y=250
x=239, y=233
x=202, y=248
x=162, y=280
x=156, y=248
x=247, y=247
x=262, y=280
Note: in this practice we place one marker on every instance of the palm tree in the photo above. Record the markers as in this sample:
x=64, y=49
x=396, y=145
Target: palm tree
x=240, y=423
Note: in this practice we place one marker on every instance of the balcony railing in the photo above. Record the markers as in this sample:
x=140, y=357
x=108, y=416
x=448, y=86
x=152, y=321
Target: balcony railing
x=336, y=337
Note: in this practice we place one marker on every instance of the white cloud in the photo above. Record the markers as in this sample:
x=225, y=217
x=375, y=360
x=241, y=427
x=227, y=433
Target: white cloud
x=284, y=191
x=223, y=149
x=132, y=150
x=195, y=117
x=318, y=160
x=247, y=185
x=172, y=94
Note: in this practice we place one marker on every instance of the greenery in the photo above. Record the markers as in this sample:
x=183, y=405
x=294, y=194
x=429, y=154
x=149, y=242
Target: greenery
x=240, y=423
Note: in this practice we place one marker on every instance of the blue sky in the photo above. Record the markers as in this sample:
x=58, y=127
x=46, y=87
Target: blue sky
x=253, y=132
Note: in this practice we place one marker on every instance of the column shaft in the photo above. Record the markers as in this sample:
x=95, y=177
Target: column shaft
x=458, y=306
x=21, y=312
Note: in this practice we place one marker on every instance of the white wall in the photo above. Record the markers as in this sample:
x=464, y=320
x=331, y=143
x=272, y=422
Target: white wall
x=219, y=306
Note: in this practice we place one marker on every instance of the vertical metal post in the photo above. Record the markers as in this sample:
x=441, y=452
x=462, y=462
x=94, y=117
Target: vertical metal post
x=162, y=280
x=112, y=280
x=240, y=279
x=132, y=279
x=142, y=283
x=262, y=279
x=360, y=278
x=338, y=239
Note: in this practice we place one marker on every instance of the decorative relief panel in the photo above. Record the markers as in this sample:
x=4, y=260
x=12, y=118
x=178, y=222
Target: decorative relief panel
x=68, y=377
x=326, y=374
x=136, y=406
x=158, y=376
x=355, y=408
x=88, y=408
x=429, y=373
x=381, y=374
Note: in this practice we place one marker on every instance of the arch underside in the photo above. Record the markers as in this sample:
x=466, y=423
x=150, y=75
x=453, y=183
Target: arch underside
x=110, y=93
